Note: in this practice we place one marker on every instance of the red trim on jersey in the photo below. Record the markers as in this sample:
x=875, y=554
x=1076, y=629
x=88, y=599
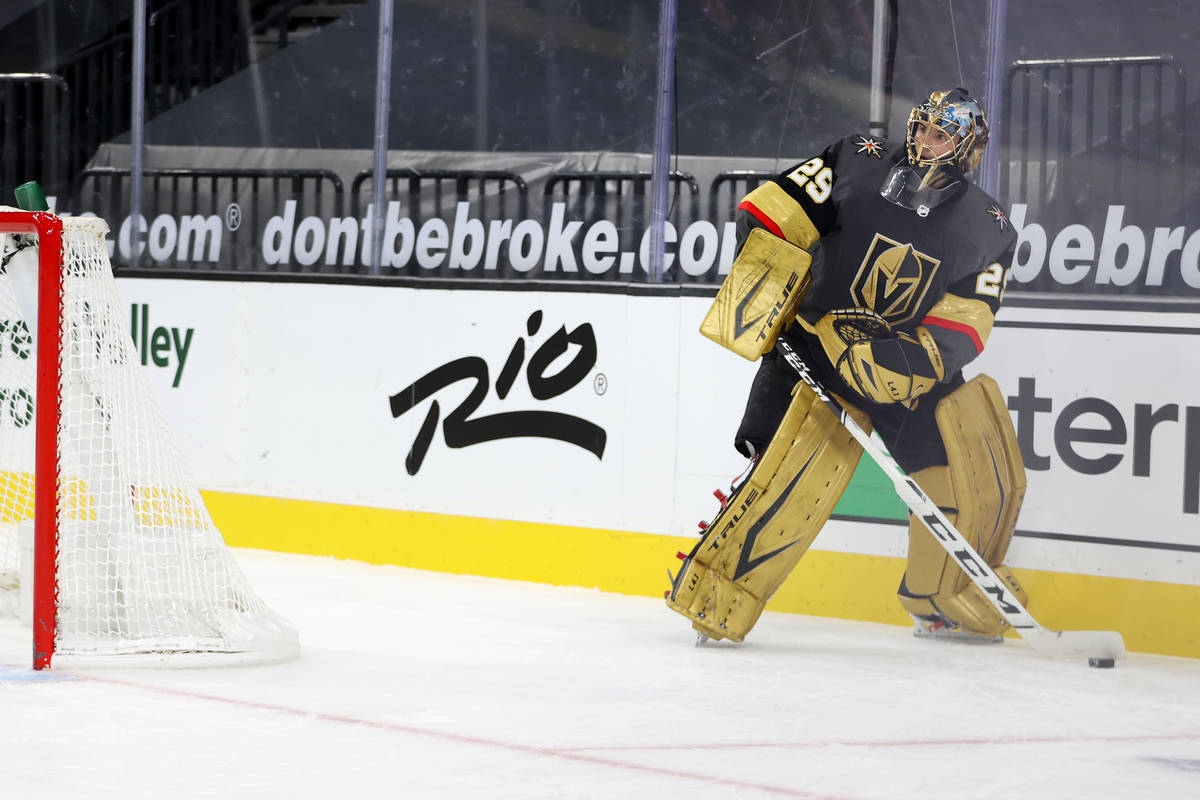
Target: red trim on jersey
x=759, y=215
x=963, y=328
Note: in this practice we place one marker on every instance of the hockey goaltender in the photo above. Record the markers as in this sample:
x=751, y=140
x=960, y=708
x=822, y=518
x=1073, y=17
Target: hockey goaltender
x=882, y=266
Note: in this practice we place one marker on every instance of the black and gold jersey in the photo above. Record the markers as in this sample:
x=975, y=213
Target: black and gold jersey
x=944, y=270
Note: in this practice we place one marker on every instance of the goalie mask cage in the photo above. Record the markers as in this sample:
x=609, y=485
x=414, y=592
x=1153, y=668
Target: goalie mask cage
x=128, y=567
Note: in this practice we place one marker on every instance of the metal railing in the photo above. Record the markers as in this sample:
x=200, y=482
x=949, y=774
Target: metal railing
x=727, y=190
x=191, y=46
x=273, y=32
x=622, y=198
x=243, y=201
x=34, y=131
x=423, y=193
x=1086, y=131
x=324, y=231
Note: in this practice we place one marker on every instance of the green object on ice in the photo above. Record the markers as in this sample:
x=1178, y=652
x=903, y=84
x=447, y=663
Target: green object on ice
x=30, y=197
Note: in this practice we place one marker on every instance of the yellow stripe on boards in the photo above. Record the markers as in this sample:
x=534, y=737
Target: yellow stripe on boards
x=525, y=551
x=1154, y=617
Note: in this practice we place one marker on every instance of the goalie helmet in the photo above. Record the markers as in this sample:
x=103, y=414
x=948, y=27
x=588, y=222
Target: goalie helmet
x=960, y=116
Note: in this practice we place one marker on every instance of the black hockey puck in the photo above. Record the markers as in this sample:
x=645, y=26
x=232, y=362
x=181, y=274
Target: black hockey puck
x=1102, y=663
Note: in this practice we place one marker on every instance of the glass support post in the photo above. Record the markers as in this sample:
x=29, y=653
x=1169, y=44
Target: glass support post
x=664, y=109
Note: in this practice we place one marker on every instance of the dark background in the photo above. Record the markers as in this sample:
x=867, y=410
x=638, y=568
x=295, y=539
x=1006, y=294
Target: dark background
x=755, y=79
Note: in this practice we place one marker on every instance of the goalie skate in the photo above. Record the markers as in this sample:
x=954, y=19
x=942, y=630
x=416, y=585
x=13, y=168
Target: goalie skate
x=935, y=626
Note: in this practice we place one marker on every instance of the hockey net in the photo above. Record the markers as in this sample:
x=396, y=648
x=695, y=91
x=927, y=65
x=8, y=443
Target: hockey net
x=130, y=568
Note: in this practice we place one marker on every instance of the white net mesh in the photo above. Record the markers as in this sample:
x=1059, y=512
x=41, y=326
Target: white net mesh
x=142, y=569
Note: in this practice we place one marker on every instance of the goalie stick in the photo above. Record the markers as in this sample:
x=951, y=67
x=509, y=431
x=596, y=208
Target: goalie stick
x=1089, y=644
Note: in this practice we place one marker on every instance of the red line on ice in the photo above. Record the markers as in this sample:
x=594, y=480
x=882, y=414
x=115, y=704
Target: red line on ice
x=459, y=738
x=1165, y=737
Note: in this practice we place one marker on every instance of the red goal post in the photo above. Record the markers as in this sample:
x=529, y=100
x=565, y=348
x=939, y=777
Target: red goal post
x=128, y=566
x=48, y=229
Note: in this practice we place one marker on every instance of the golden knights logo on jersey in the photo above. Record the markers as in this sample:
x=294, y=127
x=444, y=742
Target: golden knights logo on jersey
x=893, y=279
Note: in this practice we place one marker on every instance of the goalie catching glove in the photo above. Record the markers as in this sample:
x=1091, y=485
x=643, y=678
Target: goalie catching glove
x=880, y=364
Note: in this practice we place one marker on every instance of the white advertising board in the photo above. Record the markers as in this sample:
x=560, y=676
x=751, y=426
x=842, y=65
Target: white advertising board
x=609, y=411
x=546, y=407
x=1107, y=407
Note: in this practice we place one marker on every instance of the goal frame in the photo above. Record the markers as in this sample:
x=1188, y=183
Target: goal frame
x=208, y=615
x=47, y=412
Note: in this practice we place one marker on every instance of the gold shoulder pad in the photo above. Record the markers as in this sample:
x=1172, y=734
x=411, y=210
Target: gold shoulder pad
x=760, y=295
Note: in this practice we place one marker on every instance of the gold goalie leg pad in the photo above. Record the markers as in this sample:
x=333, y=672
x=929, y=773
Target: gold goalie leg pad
x=980, y=491
x=768, y=524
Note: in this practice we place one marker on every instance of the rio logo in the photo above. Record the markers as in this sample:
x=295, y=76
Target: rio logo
x=462, y=429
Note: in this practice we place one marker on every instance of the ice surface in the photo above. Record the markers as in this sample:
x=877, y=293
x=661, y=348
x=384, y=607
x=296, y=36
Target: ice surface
x=426, y=685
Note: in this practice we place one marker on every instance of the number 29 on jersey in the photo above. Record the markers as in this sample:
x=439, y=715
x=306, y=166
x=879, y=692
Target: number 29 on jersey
x=815, y=177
